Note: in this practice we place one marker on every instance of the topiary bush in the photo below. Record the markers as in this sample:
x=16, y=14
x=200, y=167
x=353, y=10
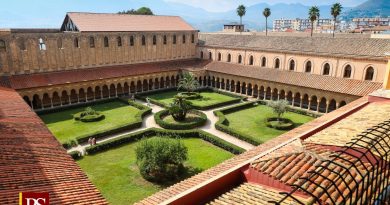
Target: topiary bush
x=161, y=159
x=76, y=155
x=190, y=95
x=279, y=123
x=198, y=121
x=88, y=115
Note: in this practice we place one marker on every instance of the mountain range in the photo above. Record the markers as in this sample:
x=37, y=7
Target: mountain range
x=43, y=13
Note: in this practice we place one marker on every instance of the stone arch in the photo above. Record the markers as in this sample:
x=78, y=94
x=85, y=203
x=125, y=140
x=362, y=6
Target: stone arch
x=227, y=85
x=342, y=103
x=200, y=81
x=204, y=81
x=106, y=91
x=126, y=89
x=256, y=91
x=173, y=81
x=322, y=105
x=332, y=105
x=213, y=82
x=162, y=82
x=313, y=103
x=27, y=100
x=119, y=90
x=64, y=98
x=139, y=86
x=251, y=60
x=277, y=63
x=218, y=83
x=150, y=83
x=36, y=102
x=222, y=84
x=305, y=101
x=74, y=98
x=232, y=86
x=369, y=73
x=98, y=92
x=268, y=93
x=56, y=99
x=282, y=95
x=289, y=97
x=46, y=101
x=275, y=94
x=145, y=85
x=82, y=95
x=249, y=89
x=90, y=94
x=244, y=88
x=262, y=93
x=156, y=84
x=167, y=82
x=229, y=58
x=133, y=88
x=297, y=99
x=308, y=66
x=112, y=91
x=238, y=87
x=347, y=71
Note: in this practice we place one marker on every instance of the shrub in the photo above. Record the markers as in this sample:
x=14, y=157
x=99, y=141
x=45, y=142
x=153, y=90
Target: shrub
x=69, y=144
x=197, y=122
x=281, y=123
x=188, y=82
x=76, y=155
x=161, y=159
x=88, y=115
x=190, y=95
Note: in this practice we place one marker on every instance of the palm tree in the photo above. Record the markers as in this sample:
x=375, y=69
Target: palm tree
x=314, y=15
x=266, y=13
x=188, y=82
x=335, y=11
x=241, y=10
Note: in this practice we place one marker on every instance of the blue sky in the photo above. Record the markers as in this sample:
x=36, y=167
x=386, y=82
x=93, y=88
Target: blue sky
x=50, y=13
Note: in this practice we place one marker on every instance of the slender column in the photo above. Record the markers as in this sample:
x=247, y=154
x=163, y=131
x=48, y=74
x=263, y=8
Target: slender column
x=42, y=107
x=60, y=101
x=337, y=105
x=78, y=98
x=258, y=93
x=327, y=107
x=300, y=104
x=129, y=88
x=318, y=105
x=51, y=101
x=109, y=92
x=116, y=92
x=293, y=99
x=278, y=95
x=264, y=94
x=70, y=102
x=308, y=108
x=32, y=105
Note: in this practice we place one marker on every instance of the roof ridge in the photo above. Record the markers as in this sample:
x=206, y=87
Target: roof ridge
x=103, y=13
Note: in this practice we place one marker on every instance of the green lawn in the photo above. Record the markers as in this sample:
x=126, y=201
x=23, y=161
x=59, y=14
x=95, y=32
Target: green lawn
x=117, y=177
x=65, y=128
x=251, y=122
x=208, y=98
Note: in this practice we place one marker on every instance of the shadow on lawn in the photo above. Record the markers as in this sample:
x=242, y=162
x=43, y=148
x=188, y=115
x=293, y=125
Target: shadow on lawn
x=188, y=172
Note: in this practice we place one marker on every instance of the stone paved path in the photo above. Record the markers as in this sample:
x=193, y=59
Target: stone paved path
x=148, y=122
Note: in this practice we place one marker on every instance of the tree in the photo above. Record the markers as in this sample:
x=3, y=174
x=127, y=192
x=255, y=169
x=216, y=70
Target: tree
x=266, y=13
x=279, y=107
x=161, y=159
x=335, y=11
x=314, y=15
x=140, y=11
x=241, y=10
x=179, y=108
x=188, y=82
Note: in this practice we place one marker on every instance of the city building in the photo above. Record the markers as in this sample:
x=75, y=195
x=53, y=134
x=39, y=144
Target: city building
x=338, y=158
x=233, y=27
x=320, y=26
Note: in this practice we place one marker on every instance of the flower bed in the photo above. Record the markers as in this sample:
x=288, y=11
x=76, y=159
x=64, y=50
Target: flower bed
x=198, y=120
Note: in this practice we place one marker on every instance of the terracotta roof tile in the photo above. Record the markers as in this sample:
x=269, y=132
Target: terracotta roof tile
x=108, y=22
x=343, y=47
x=33, y=160
x=319, y=82
x=88, y=74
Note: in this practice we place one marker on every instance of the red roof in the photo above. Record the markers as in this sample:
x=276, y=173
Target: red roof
x=73, y=76
x=108, y=22
x=32, y=160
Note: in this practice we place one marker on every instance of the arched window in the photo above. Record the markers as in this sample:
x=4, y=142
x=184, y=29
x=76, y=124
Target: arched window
x=119, y=41
x=131, y=40
x=165, y=39
x=308, y=67
x=192, y=38
x=22, y=45
x=59, y=43
x=263, y=62
x=292, y=65
x=369, y=74
x=91, y=42
x=201, y=55
x=251, y=60
x=143, y=40
x=210, y=56
x=326, y=70
x=347, y=71
x=219, y=57
x=229, y=58
x=42, y=45
x=2, y=46
x=174, y=39
x=154, y=40
x=239, y=59
x=76, y=43
x=277, y=63
x=184, y=39
x=106, y=41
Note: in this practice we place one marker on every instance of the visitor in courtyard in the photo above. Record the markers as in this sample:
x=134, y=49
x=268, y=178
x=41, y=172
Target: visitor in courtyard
x=93, y=141
x=148, y=102
x=90, y=141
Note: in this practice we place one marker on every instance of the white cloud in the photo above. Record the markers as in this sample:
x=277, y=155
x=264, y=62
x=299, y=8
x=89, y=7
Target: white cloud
x=226, y=5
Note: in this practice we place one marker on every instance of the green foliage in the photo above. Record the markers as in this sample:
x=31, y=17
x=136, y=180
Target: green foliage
x=188, y=82
x=110, y=144
x=161, y=159
x=88, y=115
x=335, y=11
x=76, y=155
x=241, y=10
x=279, y=107
x=140, y=11
x=179, y=108
x=266, y=14
x=198, y=121
x=314, y=15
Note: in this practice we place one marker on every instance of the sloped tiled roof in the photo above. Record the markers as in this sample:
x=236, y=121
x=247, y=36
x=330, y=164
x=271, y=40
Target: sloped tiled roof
x=344, y=47
x=108, y=22
x=72, y=76
x=32, y=160
x=249, y=193
x=320, y=82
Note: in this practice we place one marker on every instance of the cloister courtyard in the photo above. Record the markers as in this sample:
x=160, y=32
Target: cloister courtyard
x=234, y=122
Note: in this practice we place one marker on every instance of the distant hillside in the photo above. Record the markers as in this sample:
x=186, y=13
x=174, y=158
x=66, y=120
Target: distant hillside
x=370, y=8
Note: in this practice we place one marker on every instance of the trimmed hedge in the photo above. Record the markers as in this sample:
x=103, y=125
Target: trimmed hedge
x=113, y=143
x=223, y=123
x=143, y=111
x=88, y=118
x=69, y=144
x=159, y=118
x=76, y=155
x=286, y=124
